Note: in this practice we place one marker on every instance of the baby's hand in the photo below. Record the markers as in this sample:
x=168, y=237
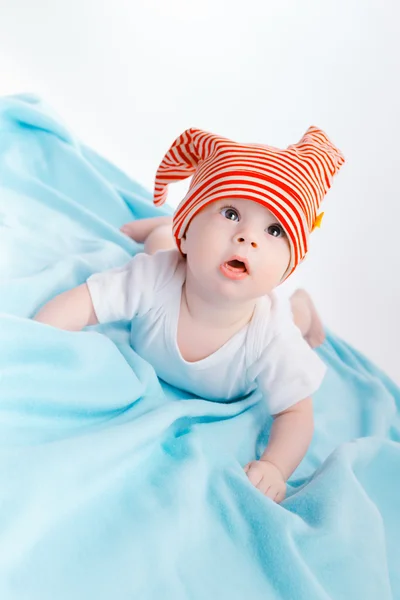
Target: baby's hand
x=267, y=478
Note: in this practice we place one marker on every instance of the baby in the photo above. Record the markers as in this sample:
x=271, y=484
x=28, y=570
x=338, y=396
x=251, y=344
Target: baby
x=206, y=314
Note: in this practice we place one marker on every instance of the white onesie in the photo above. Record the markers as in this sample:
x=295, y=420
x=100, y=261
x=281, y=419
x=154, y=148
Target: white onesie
x=269, y=352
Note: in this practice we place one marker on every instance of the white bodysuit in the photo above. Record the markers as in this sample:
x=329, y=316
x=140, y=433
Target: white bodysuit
x=269, y=352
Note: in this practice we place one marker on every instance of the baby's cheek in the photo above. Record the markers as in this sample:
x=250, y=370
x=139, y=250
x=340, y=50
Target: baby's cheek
x=277, y=264
x=266, y=282
x=281, y=259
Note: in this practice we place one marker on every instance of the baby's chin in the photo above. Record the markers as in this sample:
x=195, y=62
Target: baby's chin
x=238, y=291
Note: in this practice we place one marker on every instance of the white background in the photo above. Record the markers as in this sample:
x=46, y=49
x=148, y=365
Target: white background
x=129, y=76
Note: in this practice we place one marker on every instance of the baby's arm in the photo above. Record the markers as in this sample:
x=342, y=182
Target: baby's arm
x=118, y=294
x=72, y=310
x=290, y=437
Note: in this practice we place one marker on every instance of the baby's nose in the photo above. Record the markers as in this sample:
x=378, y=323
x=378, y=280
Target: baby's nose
x=249, y=239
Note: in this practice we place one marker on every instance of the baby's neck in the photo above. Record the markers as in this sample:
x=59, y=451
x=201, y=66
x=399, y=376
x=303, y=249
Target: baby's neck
x=221, y=316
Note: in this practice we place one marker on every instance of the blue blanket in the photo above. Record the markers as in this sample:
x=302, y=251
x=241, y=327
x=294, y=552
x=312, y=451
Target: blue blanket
x=116, y=486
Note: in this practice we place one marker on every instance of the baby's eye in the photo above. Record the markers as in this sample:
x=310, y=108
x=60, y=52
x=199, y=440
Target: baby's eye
x=276, y=230
x=230, y=213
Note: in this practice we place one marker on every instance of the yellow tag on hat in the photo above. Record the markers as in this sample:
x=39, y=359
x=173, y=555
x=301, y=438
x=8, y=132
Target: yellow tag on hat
x=318, y=221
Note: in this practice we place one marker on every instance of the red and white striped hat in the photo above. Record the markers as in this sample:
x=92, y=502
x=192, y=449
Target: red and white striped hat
x=291, y=183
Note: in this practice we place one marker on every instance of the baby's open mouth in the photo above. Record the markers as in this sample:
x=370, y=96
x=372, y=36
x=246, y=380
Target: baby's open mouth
x=236, y=265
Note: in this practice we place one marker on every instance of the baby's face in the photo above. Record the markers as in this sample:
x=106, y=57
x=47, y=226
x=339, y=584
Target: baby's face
x=241, y=228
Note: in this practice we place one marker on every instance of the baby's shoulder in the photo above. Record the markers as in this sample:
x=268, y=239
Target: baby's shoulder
x=157, y=270
x=281, y=317
x=274, y=316
x=273, y=324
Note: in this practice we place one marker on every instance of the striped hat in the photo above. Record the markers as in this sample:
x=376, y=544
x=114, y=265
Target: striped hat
x=291, y=183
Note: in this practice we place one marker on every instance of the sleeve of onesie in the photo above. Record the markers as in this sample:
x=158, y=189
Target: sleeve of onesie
x=125, y=292
x=290, y=370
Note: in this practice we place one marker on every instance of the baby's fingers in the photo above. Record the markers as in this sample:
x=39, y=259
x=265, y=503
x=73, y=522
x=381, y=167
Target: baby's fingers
x=269, y=490
x=253, y=473
x=276, y=493
x=280, y=496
